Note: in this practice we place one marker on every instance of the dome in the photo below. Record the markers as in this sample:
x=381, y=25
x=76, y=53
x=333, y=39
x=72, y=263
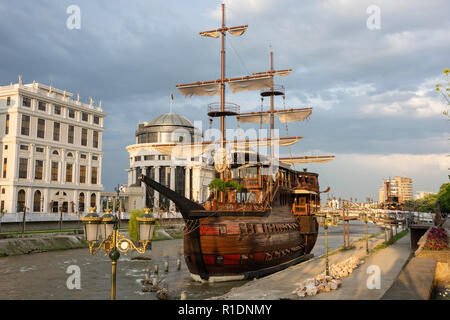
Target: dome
x=170, y=119
x=167, y=128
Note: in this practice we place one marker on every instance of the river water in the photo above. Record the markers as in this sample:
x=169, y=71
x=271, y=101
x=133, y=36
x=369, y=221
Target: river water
x=43, y=275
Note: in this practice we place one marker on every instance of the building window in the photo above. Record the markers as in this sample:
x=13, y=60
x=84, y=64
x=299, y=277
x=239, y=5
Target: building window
x=6, y=147
x=56, y=127
x=5, y=164
x=94, y=158
x=70, y=134
x=25, y=130
x=83, y=156
x=94, y=176
x=93, y=200
x=7, y=124
x=72, y=113
x=138, y=158
x=38, y=169
x=95, y=139
x=82, y=174
x=37, y=201
x=23, y=147
x=41, y=106
x=23, y=168
x=70, y=155
x=81, y=202
x=8, y=101
x=41, y=128
x=96, y=119
x=69, y=169
x=84, y=116
x=57, y=110
x=26, y=102
x=54, y=171
x=55, y=153
x=84, y=137
x=21, y=201
x=39, y=149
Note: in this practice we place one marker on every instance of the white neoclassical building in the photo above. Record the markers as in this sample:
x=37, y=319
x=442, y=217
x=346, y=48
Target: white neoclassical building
x=189, y=177
x=50, y=150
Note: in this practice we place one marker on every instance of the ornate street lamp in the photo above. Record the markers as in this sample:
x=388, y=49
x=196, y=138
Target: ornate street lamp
x=325, y=221
x=363, y=216
x=113, y=242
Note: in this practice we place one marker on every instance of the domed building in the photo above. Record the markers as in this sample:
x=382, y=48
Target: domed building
x=187, y=177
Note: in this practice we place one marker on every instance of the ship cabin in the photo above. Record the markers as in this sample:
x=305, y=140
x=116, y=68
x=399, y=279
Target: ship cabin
x=258, y=191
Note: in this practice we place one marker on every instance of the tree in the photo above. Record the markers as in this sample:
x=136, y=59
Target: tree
x=216, y=185
x=444, y=197
x=445, y=91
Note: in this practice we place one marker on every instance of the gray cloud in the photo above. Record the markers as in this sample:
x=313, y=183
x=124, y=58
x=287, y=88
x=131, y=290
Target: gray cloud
x=132, y=54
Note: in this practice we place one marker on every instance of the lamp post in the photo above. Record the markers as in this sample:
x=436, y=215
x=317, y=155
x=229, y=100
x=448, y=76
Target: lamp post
x=363, y=216
x=325, y=221
x=113, y=242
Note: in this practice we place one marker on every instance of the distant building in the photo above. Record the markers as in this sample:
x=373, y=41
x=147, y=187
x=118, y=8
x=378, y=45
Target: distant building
x=189, y=178
x=50, y=150
x=423, y=194
x=400, y=188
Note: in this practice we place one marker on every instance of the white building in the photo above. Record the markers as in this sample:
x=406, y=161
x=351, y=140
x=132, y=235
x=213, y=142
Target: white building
x=189, y=178
x=423, y=194
x=50, y=150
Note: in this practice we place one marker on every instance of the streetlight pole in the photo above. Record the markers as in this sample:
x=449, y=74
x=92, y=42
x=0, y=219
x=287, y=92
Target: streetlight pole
x=113, y=242
x=325, y=221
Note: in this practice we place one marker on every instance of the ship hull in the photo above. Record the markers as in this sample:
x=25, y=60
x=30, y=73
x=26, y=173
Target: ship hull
x=224, y=248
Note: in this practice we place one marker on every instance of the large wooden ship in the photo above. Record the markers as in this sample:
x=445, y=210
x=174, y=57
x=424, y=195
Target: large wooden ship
x=267, y=223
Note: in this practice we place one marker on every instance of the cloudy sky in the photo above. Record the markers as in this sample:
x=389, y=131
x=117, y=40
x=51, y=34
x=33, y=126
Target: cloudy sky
x=372, y=90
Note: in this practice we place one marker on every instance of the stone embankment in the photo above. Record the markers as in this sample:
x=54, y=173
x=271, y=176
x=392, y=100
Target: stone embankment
x=17, y=246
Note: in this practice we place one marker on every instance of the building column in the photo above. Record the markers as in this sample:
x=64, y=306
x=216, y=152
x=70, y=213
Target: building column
x=76, y=171
x=172, y=186
x=13, y=195
x=130, y=176
x=99, y=170
x=187, y=184
x=32, y=166
x=14, y=166
x=29, y=199
x=47, y=165
x=89, y=170
x=155, y=193
x=98, y=202
x=144, y=189
x=46, y=201
x=62, y=170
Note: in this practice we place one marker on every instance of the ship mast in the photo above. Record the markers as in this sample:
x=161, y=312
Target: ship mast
x=222, y=84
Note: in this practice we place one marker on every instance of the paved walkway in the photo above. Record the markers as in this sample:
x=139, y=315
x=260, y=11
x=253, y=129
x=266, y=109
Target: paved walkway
x=281, y=284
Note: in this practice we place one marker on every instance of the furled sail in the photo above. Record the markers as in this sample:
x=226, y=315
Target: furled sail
x=283, y=73
x=209, y=89
x=253, y=118
x=238, y=85
x=291, y=116
x=301, y=160
x=245, y=144
x=237, y=31
x=212, y=34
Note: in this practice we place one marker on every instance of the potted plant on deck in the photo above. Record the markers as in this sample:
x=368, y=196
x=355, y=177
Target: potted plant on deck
x=216, y=185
